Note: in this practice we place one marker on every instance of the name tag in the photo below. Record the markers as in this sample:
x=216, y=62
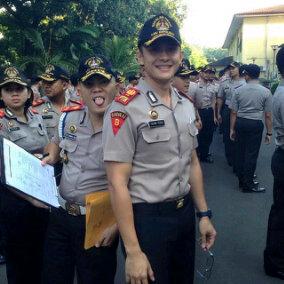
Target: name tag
x=70, y=136
x=156, y=123
x=47, y=116
x=14, y=128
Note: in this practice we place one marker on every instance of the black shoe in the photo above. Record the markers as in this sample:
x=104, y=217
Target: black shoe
x=255, y=184
x=256, y=189
x=208, y=160
x=274, y=273
x=2, y=259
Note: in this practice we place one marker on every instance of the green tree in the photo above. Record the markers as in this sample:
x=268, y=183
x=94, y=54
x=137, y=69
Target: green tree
x=214, y=54
x=197, y=57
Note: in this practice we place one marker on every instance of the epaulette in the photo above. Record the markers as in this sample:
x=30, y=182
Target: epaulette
x=78, y=102
x=71, y=108
x=2, y=113
x=34, y=111
x=127, y=96
x=38, y=102
x=186, y=96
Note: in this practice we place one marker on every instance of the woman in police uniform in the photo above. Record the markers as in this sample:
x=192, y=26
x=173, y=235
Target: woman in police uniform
x=24, y=219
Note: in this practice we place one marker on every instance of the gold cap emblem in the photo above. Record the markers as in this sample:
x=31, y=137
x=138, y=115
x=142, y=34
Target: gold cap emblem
x=162, y=24
x=93, y=62
x=11, y=72
x=49, y=68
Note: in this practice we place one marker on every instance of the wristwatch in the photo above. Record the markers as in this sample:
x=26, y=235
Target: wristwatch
x=207, y=213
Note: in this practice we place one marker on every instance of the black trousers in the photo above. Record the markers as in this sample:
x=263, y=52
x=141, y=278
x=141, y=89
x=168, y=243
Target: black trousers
x=64, y=252
x=23, y=228
x=248, y=141
x=274, y=251
x=205, y=135
x=167, y=236
x=228, y=143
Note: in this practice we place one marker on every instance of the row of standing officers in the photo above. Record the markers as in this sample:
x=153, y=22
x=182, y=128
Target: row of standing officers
x=142, y=148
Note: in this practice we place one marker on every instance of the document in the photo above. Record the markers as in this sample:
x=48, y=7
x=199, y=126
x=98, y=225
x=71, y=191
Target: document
x=99, y=216
x=24, y=172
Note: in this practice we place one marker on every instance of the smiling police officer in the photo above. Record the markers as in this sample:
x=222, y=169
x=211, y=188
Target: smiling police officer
x=153, y=170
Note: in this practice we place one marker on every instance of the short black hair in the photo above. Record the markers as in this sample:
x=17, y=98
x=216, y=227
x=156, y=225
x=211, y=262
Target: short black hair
x=280, y=60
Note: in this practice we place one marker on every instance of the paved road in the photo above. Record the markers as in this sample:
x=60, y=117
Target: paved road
x=240, y=219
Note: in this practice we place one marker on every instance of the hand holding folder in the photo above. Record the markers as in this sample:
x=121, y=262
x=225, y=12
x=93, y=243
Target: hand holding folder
x=99, y=217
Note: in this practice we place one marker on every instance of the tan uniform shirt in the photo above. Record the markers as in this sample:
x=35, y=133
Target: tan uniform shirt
x=156, y=140
x=227, y=89
x=83, y=170
x=30, y=135
x=278, y=114
x=251, y=100
x=203, y=94
x=50, y=114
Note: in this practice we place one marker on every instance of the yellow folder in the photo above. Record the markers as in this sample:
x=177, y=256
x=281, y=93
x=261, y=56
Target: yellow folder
x=99, y=216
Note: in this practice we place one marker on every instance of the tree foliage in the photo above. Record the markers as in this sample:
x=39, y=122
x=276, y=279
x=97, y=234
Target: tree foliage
x=35, y=33
x=214, y=54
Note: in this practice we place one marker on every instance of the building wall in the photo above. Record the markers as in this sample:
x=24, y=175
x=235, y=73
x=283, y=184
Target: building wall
x=235, y=49
x=258, y=36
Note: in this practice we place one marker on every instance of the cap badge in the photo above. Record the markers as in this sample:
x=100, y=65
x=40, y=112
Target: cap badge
x=153, y=114
x=94, y=62
x=10, y=123
x=72, y=128
x=162, y=24
x=49, y=68
x=11, y=72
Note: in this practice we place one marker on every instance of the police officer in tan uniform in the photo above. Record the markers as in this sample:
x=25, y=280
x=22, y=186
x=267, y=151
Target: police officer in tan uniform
x=149, y=140
x=55, y=83
x=181, y=82
x=226, y=90
x=250, y=104
x=79, y=138
x=24, y=219
x=204, y=97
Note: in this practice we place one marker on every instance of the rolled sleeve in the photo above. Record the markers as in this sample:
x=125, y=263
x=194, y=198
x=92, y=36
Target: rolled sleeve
x=119, y=146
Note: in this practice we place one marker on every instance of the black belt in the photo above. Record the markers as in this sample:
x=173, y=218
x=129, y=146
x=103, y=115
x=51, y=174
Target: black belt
x=173, y=205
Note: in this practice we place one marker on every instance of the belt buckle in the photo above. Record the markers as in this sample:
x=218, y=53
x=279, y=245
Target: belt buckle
x=180, y=203
x=73, y=209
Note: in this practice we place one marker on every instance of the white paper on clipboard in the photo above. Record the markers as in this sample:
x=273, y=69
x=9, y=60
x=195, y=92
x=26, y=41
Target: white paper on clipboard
x=24, y=172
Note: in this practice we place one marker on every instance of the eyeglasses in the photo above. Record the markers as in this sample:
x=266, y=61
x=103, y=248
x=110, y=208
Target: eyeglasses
x=205, y=269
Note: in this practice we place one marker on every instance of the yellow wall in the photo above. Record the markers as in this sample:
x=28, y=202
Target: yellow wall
x=258, y=34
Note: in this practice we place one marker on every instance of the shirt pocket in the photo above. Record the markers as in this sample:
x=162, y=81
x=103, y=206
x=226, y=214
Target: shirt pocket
x=17, y=135
x=153, y=146
x=188, y=138
x=67, y=146
x=156, y=135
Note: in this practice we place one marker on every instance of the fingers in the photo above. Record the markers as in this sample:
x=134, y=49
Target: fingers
x=150, y=273
x=203, y=241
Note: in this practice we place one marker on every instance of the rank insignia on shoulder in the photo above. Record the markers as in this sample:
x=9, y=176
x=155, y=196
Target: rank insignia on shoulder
x=71, y=108
x=34, y=111
x=127, y=96
x=117, y=120
x=156, y=123
x=2, y=113
x=38, y=102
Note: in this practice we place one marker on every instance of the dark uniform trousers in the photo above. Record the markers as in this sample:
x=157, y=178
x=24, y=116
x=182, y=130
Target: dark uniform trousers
x=248, y=141
x=229, y=144
x=274, y=251
x=64, y=250
x=205, y=135
x=24, y=227
x=166, y=235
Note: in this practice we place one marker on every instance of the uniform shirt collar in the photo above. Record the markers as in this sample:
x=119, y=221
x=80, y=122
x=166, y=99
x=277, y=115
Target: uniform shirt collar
x=86, y=121
x=154, y=99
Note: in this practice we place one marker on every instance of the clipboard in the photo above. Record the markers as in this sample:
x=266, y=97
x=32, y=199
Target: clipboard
x=99, y=216
x=22, y=171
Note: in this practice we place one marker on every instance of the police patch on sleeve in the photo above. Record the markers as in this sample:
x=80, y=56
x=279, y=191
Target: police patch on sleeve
x=117, y=120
